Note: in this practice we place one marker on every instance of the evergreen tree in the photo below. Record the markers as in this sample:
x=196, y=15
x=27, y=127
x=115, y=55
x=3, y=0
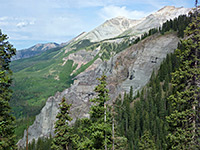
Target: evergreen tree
x=7, y=137
x=146, y=143
x=101, y=126
x=63, y=137
x=185, y=119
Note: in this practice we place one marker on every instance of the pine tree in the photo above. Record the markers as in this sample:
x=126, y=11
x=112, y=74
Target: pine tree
x=184, y=121
x=7, y=137
x=63, y=137
x=146, y=143
x=101, y=127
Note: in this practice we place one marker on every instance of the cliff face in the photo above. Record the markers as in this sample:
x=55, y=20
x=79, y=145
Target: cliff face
x=131, y=67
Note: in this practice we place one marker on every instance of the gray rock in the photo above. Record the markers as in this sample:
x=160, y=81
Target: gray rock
x=131, y=67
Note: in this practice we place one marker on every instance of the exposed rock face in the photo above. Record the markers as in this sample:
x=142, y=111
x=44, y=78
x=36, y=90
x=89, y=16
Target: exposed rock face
x=81, y=57
x=132, y=67
x=111, y=28
x=157, y=19
x=34, y=50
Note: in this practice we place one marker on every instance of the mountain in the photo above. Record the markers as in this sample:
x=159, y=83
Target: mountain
x=156, y=19
x=121, y=26
x=34, y=50
x=111, y=28
x=71, y=71
x=132, y=67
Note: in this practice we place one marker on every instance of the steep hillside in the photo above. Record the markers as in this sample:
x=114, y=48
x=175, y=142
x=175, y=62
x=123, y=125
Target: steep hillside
x=125, y=61
x=34, y=50
x=126, y=69
x=156, y=20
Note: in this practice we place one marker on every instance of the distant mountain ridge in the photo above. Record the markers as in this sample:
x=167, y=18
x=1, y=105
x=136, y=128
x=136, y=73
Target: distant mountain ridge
x=34, y=50
x=121, y=26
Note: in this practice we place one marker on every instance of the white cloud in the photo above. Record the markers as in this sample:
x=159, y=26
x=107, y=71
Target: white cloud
x=111, y=11
x=25, y=24
x=3, y=18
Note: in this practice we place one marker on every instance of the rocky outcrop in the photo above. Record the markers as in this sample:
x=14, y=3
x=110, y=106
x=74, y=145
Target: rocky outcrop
x=156, y=19
x=132, y=67
x=34, y=50
x=111, y=28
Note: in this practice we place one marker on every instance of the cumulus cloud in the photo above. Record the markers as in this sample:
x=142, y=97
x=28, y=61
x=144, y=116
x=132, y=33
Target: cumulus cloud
x=24, y=24
x=111, y=11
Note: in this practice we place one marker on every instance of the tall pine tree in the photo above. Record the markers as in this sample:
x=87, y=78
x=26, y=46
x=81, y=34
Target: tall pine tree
x=101, y=126
x=63, y=138
x=7, y=137
x=146, y=143
x=184, y=121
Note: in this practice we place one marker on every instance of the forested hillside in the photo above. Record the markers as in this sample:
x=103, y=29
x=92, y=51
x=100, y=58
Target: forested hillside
x=147, y=119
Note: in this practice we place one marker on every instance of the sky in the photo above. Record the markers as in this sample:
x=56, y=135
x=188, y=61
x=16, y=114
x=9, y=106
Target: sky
x=28, y=22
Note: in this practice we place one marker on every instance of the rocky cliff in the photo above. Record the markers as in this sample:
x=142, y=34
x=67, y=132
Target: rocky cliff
x=131, y=67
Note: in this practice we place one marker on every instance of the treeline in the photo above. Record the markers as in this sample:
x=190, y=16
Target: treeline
x=146, y=112
x=177, y=24
x=43, y=143
x=165, y=114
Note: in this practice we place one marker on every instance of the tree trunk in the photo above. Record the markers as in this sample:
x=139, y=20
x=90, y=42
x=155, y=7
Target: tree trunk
x=105, y=122
x=27, y=139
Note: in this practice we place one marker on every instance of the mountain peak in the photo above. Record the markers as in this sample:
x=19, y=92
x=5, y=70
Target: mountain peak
x=120, y=18
x=172, y=10
x=166, y=8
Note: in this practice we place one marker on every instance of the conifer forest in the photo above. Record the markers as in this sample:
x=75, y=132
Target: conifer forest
x=162, y=115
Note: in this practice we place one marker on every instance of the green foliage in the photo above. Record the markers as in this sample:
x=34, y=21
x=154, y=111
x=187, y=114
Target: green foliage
x=146, y=142
x=184, y=120
x=82, y=44
x=95, y=133
x=178, y=24
x=63, y=137
x=7, y=137
x=147, y=110
x=30, y=82
x=41, y=144
x=108, y=48
x=100, y=117
x=21, y=125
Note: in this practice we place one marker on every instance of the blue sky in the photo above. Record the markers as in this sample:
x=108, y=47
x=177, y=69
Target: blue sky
x=28, y=22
